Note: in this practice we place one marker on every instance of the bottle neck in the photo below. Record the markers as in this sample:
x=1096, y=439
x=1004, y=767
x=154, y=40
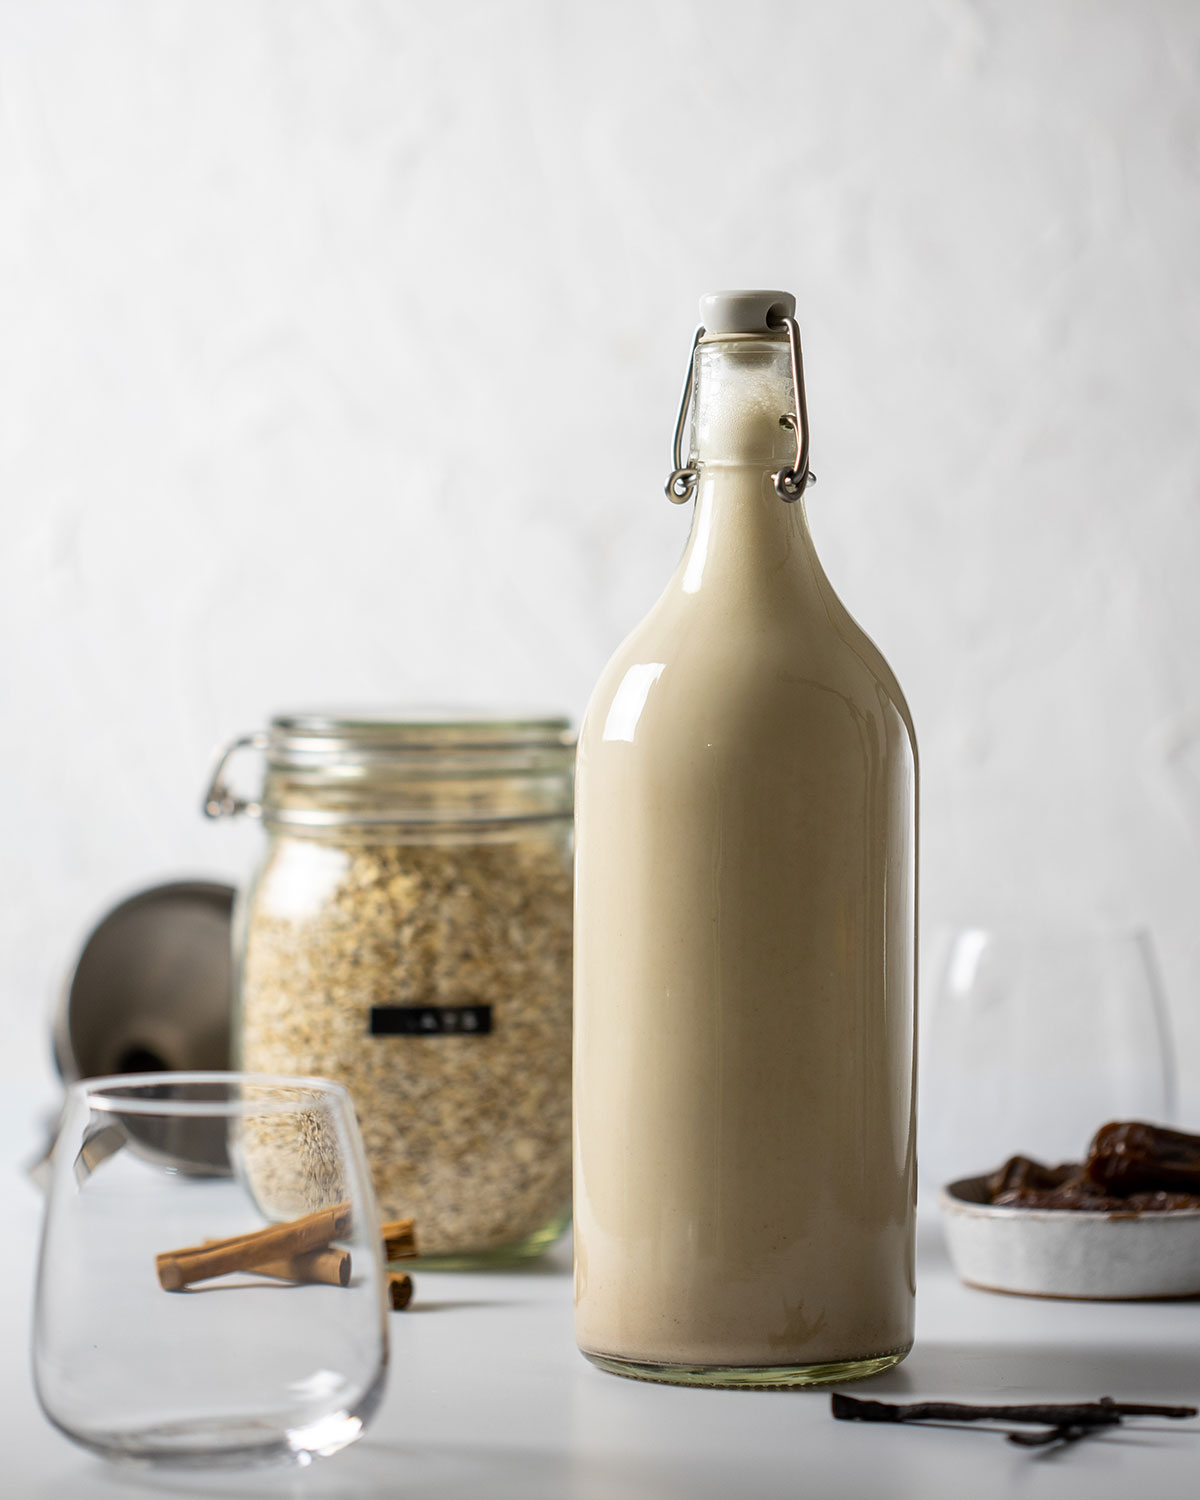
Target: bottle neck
x=743, y=405
x=743, y=536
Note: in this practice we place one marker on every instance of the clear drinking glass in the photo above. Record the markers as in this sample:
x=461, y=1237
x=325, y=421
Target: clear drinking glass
x=1034, y=1039
x=272, y=1361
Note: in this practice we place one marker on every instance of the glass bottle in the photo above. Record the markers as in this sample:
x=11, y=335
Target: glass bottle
x=407, y=933
x=745, y=931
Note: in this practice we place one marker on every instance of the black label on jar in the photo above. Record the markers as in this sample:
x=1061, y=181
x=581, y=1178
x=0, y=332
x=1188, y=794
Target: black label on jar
x=431, y=1020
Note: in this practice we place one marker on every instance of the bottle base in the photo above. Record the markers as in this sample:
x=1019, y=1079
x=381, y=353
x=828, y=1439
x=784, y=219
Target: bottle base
x=750, y=1377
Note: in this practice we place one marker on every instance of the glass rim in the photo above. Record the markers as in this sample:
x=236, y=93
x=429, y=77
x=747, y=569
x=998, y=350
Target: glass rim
x=101, y=1093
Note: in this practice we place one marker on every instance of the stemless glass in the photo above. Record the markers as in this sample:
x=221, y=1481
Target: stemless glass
x=247, y=1366
x=1035, y=1038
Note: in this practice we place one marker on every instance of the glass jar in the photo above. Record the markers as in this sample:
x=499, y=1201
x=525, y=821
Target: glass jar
x=408, y=934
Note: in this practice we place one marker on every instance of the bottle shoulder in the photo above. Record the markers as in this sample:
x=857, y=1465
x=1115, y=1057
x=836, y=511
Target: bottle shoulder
x=880, y=670
x=711, y=666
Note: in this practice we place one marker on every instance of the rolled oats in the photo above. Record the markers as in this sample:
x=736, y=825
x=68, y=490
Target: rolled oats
x=352, y=947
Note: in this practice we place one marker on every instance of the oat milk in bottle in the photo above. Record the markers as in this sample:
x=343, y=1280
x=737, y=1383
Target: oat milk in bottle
x=745, y=931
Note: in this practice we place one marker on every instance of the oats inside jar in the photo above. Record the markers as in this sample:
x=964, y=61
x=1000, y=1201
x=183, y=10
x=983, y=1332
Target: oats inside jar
x=434, y=981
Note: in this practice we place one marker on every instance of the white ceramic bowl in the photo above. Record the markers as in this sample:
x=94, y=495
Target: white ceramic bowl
x=1043, y=1252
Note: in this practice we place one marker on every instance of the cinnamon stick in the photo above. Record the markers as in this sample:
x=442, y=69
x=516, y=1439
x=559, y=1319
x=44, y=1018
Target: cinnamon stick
x=399, y=1239
x=246, y=1252
x=328, y=1267
x=400, y=1290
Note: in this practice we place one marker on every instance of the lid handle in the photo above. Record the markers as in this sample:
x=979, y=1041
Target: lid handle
x=220, y=801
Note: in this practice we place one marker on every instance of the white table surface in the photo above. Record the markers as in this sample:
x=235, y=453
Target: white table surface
x=489, y=1399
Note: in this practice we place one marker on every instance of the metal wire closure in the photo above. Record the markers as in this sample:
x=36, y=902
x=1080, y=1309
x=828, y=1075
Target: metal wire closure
x=683, y=480
x=220, y=801
x=791, y=483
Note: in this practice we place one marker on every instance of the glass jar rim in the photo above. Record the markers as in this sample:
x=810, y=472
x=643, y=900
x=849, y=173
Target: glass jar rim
x=104, y=1094
x=337, y=768
x=302, y=738
x=418, y=768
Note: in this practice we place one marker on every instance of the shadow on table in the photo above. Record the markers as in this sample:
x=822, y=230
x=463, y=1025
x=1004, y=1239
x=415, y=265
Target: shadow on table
x=971, y=1371
x=379, y=1470
x=456, y=1304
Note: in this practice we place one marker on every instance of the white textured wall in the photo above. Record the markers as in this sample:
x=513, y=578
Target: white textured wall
x=339, y=352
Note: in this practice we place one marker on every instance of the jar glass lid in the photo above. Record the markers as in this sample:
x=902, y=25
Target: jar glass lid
x=302, y=738
x=333, y=767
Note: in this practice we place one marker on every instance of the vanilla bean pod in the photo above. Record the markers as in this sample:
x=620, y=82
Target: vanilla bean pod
x=1065, y=1434
x=1103, y=1413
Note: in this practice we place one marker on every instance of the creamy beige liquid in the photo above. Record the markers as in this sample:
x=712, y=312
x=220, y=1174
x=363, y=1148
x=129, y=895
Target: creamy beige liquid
x=744, y=1167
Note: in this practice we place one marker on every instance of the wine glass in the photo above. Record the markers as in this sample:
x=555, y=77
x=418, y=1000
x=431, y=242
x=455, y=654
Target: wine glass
x=1035, y=1038
x=211, y=1283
